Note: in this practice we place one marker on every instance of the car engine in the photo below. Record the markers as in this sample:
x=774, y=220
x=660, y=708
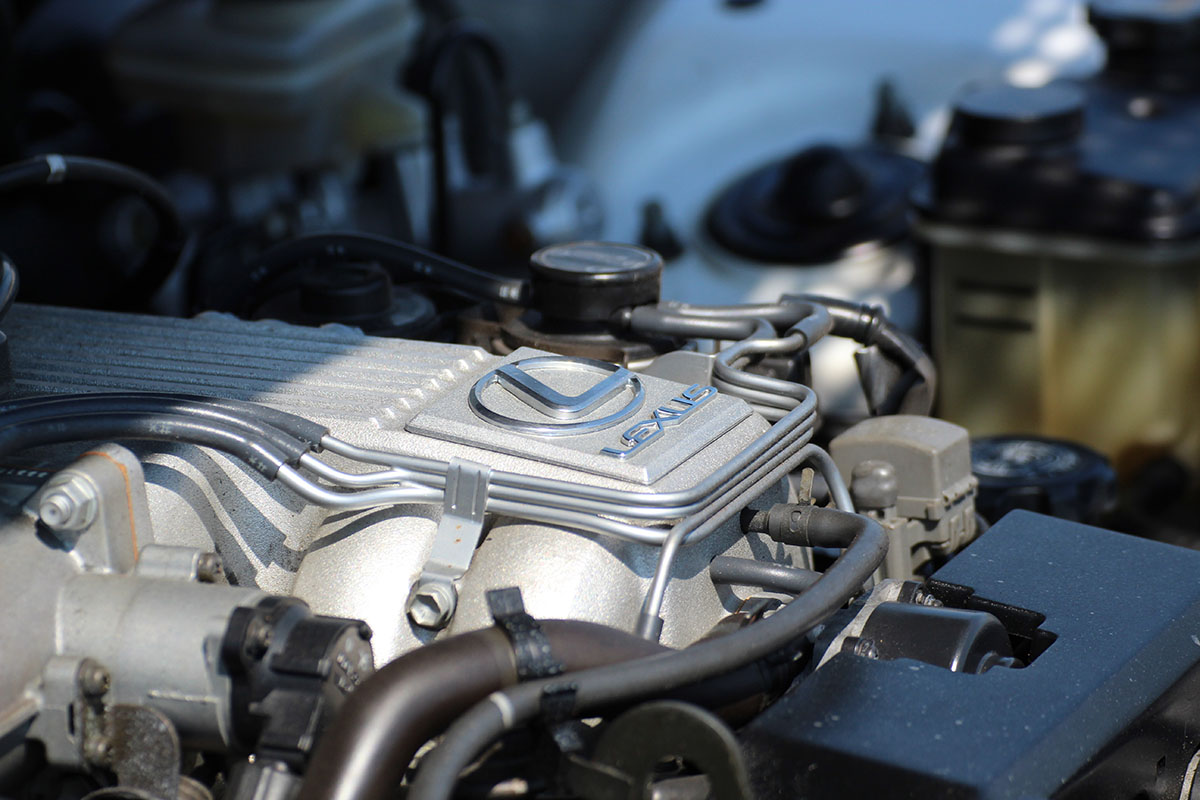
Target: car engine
x=431, y=399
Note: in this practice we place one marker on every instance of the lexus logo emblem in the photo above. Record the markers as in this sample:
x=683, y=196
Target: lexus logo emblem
x=554, y=413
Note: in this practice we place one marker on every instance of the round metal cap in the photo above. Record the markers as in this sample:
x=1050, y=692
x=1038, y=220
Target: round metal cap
x=1014, y=115
x=1148, y=24
x=589, y=281
x=596, y=262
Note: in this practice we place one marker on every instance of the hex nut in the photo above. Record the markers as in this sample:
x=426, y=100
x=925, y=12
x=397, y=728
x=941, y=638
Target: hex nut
x=69, y=504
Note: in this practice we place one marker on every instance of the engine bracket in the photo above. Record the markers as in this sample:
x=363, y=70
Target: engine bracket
x=434, y=597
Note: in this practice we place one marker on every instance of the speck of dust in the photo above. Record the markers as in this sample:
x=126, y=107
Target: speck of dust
x=1196, y=640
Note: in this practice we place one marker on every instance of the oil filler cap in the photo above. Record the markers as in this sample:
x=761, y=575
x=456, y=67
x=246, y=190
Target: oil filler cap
x=589, y=281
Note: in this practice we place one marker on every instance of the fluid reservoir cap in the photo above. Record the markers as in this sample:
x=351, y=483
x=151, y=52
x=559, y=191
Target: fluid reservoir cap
x=1014, y=115
x=1050, y=476
x=1146, y=24
x=1151, y=43
x=815, y=205
x=589, y=281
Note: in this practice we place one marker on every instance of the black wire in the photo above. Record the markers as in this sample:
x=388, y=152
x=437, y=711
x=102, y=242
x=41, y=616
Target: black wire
x=258, y=454
x=170, y=249
x=75, y=405
x=404, y=261
x=300, y=429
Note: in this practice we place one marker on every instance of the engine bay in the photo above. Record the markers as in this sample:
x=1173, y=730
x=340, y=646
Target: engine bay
x=430, y=399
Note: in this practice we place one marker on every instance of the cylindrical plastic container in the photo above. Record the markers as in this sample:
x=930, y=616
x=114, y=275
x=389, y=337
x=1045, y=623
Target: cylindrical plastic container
x=1062, y=233
x=1089, y=341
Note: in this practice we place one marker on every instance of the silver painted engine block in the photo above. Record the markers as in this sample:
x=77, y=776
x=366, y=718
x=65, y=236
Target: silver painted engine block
x=407, y=397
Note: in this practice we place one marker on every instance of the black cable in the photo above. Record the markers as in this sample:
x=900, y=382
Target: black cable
x=260, y=455
x=764, y=574
x=170, y=248
x=303, y=430
x=73, y=405
x=404, y=261
x=865, y=544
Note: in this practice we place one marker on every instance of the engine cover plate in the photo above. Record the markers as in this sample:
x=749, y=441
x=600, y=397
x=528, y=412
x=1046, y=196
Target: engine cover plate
x=555, y=409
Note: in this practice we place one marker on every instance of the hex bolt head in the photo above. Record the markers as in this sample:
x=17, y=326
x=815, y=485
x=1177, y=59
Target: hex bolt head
x=432, y=604
x=209, y=568
x=69, y=504
x=94, y=680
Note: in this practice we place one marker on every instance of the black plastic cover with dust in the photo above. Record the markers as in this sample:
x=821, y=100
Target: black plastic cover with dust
x=1100, y=712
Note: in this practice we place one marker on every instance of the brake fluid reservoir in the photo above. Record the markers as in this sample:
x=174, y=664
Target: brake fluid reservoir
x=1063, y=225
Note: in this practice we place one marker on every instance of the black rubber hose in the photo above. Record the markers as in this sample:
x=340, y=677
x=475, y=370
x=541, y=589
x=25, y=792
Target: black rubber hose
x=782, y=314
x=592, y=690
x=260, y=455
x=302, y=429
x=868, y=325
x=9, y=283
x=665, y=321
x=459, y=36
x=365, y=752
x=714, y=322
x=169, y=249
x=764, y=574
x=71, y=405
x=403, y=260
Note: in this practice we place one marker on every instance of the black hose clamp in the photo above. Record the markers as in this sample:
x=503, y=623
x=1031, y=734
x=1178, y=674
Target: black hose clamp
x=531, y=648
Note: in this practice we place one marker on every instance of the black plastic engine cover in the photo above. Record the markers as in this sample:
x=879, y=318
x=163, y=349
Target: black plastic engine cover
x=1108, y=706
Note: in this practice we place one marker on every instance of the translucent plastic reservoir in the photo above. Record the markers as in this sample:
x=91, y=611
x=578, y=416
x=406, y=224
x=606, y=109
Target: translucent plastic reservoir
x=1089, y=341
